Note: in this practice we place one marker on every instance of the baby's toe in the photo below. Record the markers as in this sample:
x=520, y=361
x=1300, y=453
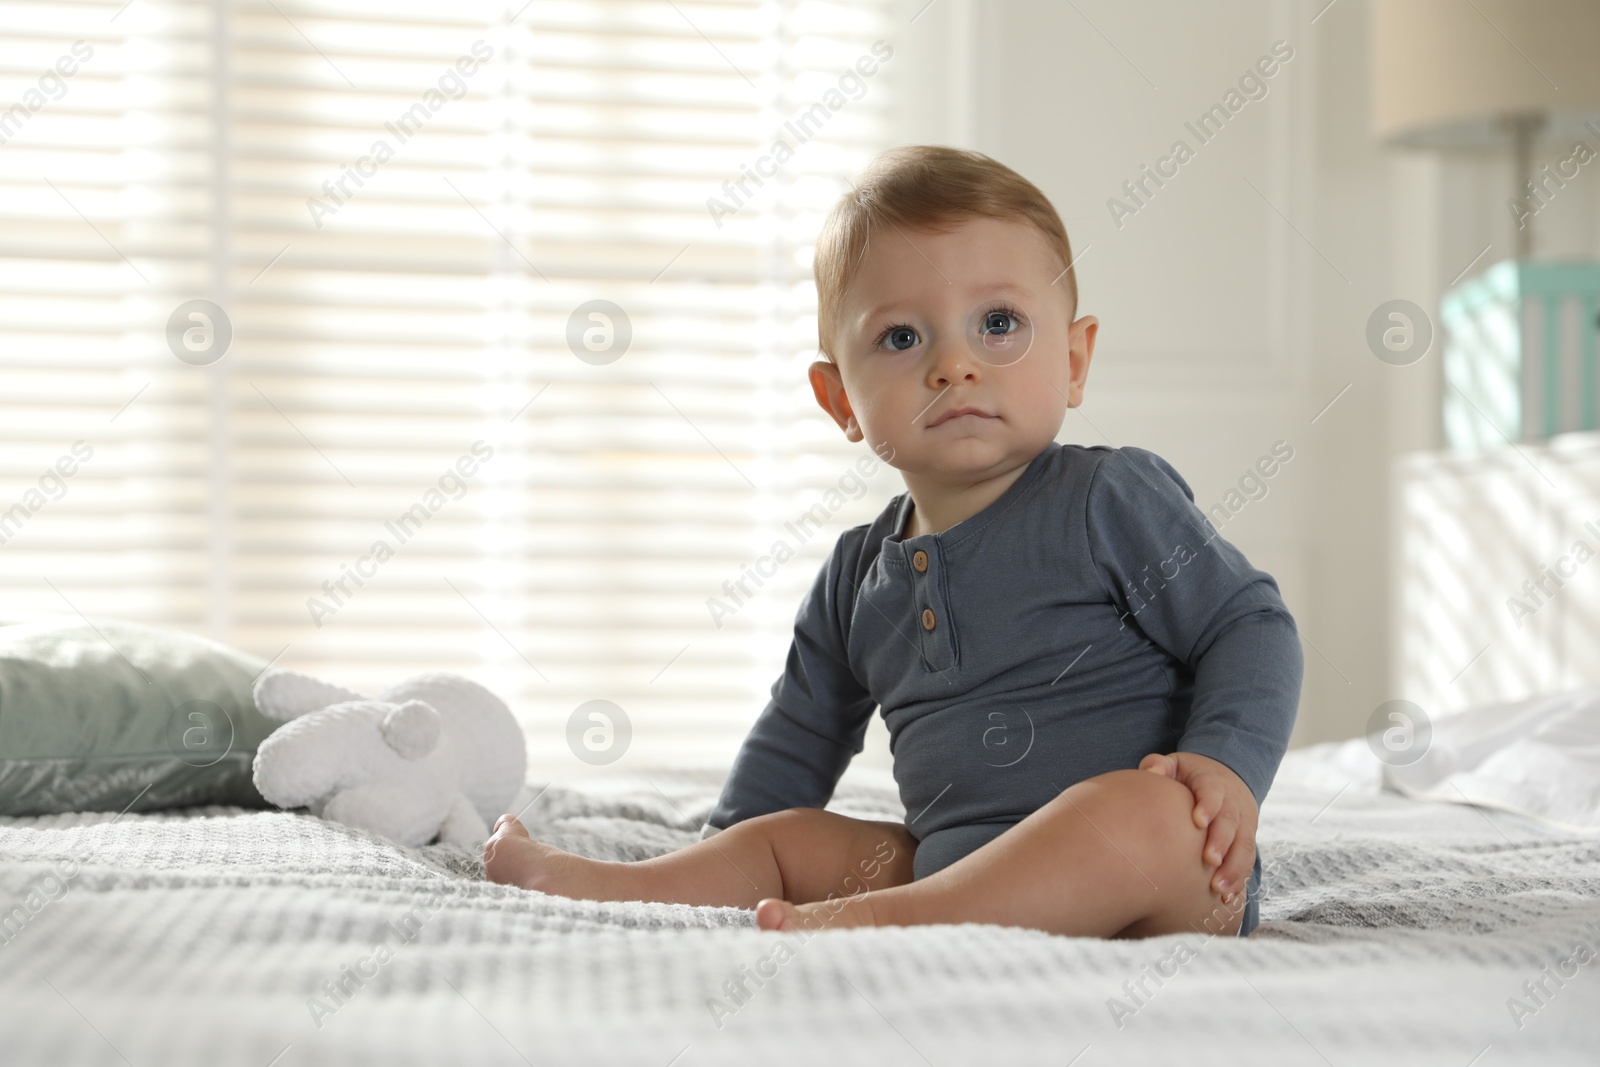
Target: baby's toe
x=511, y=825
x=775, y=914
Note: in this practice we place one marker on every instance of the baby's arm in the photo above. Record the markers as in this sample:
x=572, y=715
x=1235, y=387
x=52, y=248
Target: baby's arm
x=1246, y=688
x=817, y=717
x=1212, y=610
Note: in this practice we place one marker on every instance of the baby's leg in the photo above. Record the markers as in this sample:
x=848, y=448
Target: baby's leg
x=1115, y=854
x=802, y=854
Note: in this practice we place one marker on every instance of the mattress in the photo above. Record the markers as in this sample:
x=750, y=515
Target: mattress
x=1393, y=931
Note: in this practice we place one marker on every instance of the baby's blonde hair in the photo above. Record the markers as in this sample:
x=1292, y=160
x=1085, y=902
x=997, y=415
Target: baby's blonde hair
x=926, y=187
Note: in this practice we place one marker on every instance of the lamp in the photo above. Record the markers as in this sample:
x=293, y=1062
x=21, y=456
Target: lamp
x=1479, y=74
x=1519, y=353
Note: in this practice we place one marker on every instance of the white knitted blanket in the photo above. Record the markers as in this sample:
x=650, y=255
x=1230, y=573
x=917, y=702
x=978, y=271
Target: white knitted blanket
x=1394, y=931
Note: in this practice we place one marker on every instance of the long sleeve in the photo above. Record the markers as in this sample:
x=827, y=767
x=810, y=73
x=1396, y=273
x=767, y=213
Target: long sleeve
x=816, y=720
x=1196, y=596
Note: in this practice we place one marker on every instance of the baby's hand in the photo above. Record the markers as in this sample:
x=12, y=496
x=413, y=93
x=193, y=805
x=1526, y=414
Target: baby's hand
x=1225, y=804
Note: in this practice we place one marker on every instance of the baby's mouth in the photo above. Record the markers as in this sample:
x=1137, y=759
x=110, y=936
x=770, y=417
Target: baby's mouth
x=961, y=413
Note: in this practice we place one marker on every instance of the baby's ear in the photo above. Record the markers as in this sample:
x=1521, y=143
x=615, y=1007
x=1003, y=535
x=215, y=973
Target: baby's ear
x=285, y=694
x=827, y=384
x=412, y=729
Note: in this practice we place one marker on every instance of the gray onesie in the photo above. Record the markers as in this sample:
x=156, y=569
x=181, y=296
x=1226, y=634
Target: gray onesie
x=1089, y=616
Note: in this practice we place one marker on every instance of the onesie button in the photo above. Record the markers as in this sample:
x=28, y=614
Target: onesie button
x=920, y=560
x=927, y=619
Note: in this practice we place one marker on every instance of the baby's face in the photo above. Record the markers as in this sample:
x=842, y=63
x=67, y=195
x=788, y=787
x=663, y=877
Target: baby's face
x=968, y=320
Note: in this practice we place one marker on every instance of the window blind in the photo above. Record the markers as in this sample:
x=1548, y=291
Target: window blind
x=426, y=446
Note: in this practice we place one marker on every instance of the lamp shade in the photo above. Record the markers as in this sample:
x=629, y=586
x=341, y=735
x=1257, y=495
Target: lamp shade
x=1446, y=73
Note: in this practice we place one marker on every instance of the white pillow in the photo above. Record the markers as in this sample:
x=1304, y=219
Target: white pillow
x=1539, y=758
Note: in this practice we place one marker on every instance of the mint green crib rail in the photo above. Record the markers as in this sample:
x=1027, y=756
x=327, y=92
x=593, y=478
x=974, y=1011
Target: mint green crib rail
x=1520, y=353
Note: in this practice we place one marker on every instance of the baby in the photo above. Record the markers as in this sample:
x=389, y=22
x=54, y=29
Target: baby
x=1043, y=625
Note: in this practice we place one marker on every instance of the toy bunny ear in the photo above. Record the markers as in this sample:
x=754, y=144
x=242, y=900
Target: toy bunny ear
x=285, y=694
x=412, y=729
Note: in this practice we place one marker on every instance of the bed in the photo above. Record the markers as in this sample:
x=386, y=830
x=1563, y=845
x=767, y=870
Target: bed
x=1393, y=931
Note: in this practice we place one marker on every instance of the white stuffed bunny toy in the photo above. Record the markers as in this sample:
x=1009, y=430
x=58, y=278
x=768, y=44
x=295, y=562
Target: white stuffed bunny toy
x=436, y=757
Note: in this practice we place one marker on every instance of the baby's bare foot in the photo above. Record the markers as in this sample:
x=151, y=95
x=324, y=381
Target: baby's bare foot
x=840, y=912
x=511, y=857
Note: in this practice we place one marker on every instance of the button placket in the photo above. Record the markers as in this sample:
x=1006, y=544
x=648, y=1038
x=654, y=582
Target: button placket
x=928, y=607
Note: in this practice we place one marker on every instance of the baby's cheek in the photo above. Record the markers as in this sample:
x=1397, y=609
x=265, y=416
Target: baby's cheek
x=884, y=426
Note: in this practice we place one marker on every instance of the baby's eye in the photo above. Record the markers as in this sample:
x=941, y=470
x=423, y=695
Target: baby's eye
x=1000, y=322
x=899, y=338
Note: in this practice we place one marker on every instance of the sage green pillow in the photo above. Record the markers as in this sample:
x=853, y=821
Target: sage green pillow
x=116, y=715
